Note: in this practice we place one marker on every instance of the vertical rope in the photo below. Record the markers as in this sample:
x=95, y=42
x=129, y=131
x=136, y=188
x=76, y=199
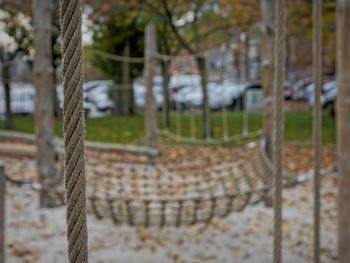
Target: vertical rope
x=74, y=130
x=317, y=78
x=278, y=126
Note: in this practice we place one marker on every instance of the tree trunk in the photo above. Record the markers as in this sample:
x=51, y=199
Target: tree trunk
x=268, y=17
x=166, y=103
x=126, y=87
x=207, y=128
x=43, y=81
x=149, y=71
x=7, y=86
x=343, y=128
x=56, y=104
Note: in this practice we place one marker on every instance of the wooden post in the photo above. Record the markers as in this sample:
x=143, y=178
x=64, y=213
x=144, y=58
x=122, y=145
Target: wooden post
x=126, y=87
x=343, y=128
x=149, y=72
x=43, y=80
x=2, y=212
x=268, y=19
x=317, y=78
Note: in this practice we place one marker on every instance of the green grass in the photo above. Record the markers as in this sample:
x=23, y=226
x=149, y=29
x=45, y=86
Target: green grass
x=118, y=129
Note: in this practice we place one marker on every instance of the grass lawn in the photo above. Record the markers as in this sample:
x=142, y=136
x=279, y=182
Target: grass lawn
x=119, y=129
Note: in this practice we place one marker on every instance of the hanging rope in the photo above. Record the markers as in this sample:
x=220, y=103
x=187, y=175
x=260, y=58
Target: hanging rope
x=317, y=75
x=74, y=130
x=278, y=126
x=135, y=60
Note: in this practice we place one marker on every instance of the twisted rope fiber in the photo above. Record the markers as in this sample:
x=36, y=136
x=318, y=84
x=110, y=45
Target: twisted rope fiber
x=278, y=126
x=74, y=130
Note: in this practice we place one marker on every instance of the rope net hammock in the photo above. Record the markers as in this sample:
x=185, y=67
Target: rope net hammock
x=158, y=195
x=168, y=194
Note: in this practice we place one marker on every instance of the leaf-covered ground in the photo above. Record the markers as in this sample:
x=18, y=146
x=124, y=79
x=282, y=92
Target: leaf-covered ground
x=39, y=235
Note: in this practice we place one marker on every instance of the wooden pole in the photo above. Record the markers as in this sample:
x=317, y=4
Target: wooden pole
x=317, y=78
x=343, y=128
x=150, y=105
x=2, y=212
x=126, y=88
x=268, y=18
x=43, y=80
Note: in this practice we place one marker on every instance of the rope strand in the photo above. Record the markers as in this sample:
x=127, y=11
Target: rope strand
x=74, y=130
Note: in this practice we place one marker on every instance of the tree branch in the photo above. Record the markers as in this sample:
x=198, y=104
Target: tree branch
x=169, y=16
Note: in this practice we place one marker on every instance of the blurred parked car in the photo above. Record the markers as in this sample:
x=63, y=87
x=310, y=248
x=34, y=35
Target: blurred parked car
x=99, y=94
x=181, y=80
x=22, y=99
x=299, y=89
x=328, y=96
x=227, y=94
x=288, y=90
x=139, y=88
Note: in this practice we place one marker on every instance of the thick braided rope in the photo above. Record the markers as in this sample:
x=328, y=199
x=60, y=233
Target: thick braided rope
x=74, y=130
x=317, y=75
x=278, y=129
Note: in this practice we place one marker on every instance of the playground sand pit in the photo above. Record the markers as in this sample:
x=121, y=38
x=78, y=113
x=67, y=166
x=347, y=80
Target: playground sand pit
x=39, y=235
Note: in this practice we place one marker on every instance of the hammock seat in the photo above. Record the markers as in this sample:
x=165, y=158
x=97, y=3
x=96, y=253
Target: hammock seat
x=158, y=195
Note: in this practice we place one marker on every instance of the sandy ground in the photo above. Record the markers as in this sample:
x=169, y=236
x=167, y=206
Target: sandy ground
x=39, y=235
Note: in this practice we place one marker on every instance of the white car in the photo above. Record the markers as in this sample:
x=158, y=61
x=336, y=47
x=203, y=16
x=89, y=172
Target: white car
x=225, y=94
x=187, y=97
x=22, y=99
x=329, y=92
x=98, y=93
x=219, y=95
x=181, y=80
x=140, y=92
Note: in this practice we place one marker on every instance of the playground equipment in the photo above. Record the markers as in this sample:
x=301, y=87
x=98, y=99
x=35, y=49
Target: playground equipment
x=159, y=196
x=75, y=181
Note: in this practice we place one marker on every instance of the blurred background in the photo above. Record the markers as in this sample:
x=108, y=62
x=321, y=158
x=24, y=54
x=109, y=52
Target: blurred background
x=209, y=65
x=220, y=40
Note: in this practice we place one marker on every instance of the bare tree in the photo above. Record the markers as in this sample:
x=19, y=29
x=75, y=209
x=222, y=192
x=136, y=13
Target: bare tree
x=343, y=128
x=43, y=80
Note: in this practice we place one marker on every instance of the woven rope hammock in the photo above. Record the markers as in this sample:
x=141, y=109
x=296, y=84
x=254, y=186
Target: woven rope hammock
x=154, y=195
x=166, y=194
